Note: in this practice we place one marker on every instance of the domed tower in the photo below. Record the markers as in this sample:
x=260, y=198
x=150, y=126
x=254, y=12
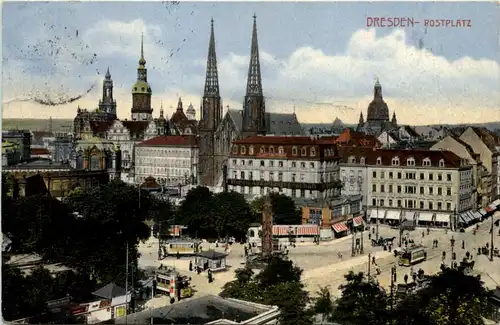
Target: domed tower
x=378, y=109
x=141, y=92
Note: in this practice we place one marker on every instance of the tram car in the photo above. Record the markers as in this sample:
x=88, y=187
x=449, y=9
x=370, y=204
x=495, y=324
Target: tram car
x=181, y=247
x=172, y=284
x=412, y=255
x=285, y=234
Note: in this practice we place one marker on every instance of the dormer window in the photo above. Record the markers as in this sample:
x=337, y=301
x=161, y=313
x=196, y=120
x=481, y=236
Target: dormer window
x=395, y=161
x=262, y=150
x=235, y=149
x=243, y=150
x=379, y=161
x=294, y=151
x=441, y=163
x=352, y=160
x=303, y=151
x=410, y=162
x=271, y=149
x=362, y=160
x=426, y=162
x=280, y=150
x=250, y=150
x=313, y=152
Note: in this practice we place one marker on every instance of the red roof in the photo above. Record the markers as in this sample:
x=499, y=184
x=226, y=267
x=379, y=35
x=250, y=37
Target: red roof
x=284, y=140
x=371, y=155
x=359, y=139
x=39, y=151
x=171, y=140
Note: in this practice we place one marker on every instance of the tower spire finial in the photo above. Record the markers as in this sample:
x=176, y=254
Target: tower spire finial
x=212, y=76
x=142, y=45
x=254, y=82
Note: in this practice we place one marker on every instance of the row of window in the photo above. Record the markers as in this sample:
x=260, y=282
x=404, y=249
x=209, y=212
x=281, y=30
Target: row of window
x=411, y=175
x=410, y=189
x=270, y=149
x=169, y=171
x=160, y=162
x=271, y=163
x=411, y=204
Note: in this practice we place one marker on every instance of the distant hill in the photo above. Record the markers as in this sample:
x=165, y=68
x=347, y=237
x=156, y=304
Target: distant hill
x=66, y=125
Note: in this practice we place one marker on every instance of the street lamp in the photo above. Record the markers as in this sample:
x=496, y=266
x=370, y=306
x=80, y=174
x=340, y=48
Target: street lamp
x=452, y=244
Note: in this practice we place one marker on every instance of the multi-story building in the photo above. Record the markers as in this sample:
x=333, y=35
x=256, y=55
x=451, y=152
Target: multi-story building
x=171, y=160
x=300, y=167
x=22, y=139
x=421, y=184
x=63, y=145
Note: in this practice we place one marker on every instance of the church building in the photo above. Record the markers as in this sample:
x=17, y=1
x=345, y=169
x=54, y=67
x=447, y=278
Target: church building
x=217, y=133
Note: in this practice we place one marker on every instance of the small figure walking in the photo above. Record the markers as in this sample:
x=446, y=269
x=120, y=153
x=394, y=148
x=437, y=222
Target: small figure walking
x=210, y=278
x=373, y=260
x=190, y=265
x=463, y=244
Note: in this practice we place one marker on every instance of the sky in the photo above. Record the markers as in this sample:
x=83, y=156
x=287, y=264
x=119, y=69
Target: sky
x=318, y=59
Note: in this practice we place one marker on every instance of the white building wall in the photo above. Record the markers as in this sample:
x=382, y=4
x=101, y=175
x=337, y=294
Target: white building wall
x=354, y=179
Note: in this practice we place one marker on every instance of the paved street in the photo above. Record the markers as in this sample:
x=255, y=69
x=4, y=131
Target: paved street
x=322, y=265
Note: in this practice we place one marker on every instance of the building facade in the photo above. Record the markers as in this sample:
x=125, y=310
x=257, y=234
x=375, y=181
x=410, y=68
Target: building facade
x=437, y=182
x=300, y=167
x=22, y=139
x=171, y=160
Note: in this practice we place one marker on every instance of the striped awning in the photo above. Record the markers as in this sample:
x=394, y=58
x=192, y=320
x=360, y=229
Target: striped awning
x=492, y=207
x=339, y=227
x=477, y=215
x=464, y=218
x=282, y=230
x=471, y=215
x=483, y=212
x=307, y=230
x=357, y=221
x=425, y=216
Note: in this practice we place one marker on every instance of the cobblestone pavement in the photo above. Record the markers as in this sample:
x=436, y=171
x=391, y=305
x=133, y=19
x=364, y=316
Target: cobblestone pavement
x=323, y=267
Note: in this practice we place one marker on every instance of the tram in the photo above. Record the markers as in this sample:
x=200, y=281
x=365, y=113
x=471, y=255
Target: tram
x=412, y=255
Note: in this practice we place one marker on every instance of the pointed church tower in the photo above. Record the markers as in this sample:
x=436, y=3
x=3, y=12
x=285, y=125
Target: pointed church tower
x=361, y=119
x=254, y=109
x=394, y=121
x=107, y=104
x=141, y=92
x=210, y=163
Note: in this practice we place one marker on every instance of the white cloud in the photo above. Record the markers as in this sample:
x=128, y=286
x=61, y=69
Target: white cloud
x=420, y=86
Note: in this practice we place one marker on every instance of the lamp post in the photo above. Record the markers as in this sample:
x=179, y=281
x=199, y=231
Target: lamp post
x=393, y=279
x=452, y=244
x=491, y=239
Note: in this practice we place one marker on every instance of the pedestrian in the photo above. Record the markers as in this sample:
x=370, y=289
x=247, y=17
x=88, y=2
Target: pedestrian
x=198, y=270
x=210, y=277
x=190, y=265
x=373, y=260
x=437, y=243
x=370, y=235
x=467, y=254
x=178, y=255
x=423, y=234
x=378, y=271
x=463, y=244
x=406, y=278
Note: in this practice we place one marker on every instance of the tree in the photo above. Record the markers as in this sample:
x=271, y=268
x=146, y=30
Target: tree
x=362, y=301
x=197, y=212
x=232, y=214
x=452, y=297
x=323, y=304
x=284, y=210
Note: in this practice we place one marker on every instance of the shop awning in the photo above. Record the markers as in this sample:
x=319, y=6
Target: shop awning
x=496, y=202
x=441, y=217
x=464, y=218
x=339, y=227
x=307, y=230
x=483, y=212
x=409, y=215
x=477, y=215
x=380, y=213
x=393, y=215
x=369, y=213
x=492, y=207
x=425, y=216
x=471, y=215
x=357, y=221
x=282, y=230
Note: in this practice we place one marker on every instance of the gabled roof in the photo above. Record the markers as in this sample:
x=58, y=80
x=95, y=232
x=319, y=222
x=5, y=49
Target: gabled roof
x=276, y=123
x=411, y=131
x=109, y=291
x=490, y=139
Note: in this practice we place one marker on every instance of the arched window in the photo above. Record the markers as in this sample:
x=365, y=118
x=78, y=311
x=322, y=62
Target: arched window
x=395, y=161
x=235, y=149
x=243, y=150
x=303, y=151
x=94, y=162
x=294, y=151
x=262, y=150
x=441, y=163
x=250, y=150
x=280, y=150
x=426, y=162
x=379, y=161
x=271, y=149
x=313, y=152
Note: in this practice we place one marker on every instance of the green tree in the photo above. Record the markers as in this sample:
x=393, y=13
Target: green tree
x=323, y=303
x=362, y=301
x=232, y=214
x=197, y=212
x=284, y=210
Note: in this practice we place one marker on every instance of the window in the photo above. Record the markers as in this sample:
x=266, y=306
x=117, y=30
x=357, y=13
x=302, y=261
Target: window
x=440, y=191
x=421, y=175
x=250, y=176
x=294, y=151
x=242, y=162
x=362, y=160
x=426, y=162
x=382, y=188
x=303, y=151
x=390, y=202
x=431, y=190
x=311, y=165
x=261, y=176
x=399, y=204
x=379, y=161
x=421, y=204
x=448, y=177
x=271, y=176
x=261, y=190
x=410, y=162
x=242, y=175
x=448, y=206
x=390, y=175
x=390, y=188
x=235, y=149
x=441, y=163
x=235, y=175
x=399, y=175
x=234, y=162
x=448, y=191
x=374, y=188
x=271, y=163
x=280, y=164
x=302, y=165
x=381, y=202
x=250, y=163
x=294, y=164
x=374, y=202
x=250, y=150
x=440, y=177
x=431, y=176
x=262, y=163
x=352, y=160
x=440, y=206
x=302, y=192
x=280, y=176
x=313, y=152
x=422, y=190
x=409, y=203
x=374, y=174
x=294, y=177
x=262, y=150
x=399, y=189
x=382, y=175
x=271, y=149
x=294, y=192
x=243, y=150
x=280, y=150
x=431, y=206
x=395, y=161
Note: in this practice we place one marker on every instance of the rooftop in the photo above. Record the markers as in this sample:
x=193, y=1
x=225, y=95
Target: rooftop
x=171, y=140
x=284, y=140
